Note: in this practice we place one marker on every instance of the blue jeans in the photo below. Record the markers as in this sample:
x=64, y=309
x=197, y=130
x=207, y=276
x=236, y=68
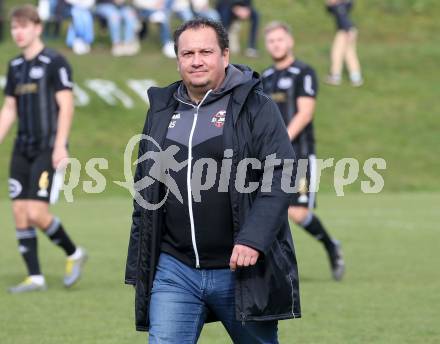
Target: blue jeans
x=81, y=26
x=180, y=300
x=165, y=31
x=118, y=18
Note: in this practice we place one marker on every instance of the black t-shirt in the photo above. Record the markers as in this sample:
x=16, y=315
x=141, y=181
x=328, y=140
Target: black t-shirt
x=285, y=87
x=34, y=83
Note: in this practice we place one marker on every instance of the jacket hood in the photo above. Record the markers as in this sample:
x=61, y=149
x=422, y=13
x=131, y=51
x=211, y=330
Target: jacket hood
x=236, y=75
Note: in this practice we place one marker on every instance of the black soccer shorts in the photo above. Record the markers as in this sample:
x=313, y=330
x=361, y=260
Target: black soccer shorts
x=32, y=177
x=305, y=182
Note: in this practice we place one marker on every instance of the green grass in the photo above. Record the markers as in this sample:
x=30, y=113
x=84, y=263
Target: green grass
x=394, y=116
x=390, y=294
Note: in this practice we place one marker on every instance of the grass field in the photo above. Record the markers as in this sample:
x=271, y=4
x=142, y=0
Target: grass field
x=390, y=294
x=391, y=240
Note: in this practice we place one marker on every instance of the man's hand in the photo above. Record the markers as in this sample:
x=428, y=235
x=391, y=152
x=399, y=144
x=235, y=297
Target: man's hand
x=59, y=153
x=242, y=12
x=243, y=256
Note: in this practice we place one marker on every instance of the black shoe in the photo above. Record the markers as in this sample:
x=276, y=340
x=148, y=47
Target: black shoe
x=336, y=261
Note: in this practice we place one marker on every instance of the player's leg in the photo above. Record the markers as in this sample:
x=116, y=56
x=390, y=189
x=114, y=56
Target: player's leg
x=352, y=60
x=41, y=191
x=301, y=213
x=337, y=54
x=177, y=311
x=25, y=233
x=221, y=300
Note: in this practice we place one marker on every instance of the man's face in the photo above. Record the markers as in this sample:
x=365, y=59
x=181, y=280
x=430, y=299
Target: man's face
x=24, y=32
x=200, y=61
x=278, y=43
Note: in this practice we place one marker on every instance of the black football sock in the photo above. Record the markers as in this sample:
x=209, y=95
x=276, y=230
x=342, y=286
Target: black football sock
x=27, y=245
x=58, y=236
x=314, y=226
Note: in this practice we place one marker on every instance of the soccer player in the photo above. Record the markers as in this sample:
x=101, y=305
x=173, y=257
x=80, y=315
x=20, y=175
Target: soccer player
x=39, y=93
x=292, y=84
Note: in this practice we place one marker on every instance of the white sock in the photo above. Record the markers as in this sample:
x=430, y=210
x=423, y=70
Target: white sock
x=38, y=279
x=355, y=77
x=76, y=255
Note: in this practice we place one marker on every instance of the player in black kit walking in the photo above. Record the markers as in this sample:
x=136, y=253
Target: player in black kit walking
x=39, y=94
x=292, y=84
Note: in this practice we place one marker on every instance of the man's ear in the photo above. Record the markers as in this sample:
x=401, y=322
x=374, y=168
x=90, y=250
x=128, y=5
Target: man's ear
x=225, y=57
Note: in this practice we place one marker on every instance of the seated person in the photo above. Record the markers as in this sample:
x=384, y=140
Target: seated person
x=155, y=12
x=202, y=9
x=80, y=34
x=238, y=10
x=122, y=23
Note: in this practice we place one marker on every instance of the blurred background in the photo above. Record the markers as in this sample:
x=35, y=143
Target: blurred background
x=390, y=239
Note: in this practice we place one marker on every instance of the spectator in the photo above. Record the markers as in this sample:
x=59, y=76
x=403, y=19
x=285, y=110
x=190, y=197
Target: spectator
x=155, y=12
x=344, y=44
x=238, y=10
x=120, y=18
x=202, y=9
x=180, y=7
x=80, y=33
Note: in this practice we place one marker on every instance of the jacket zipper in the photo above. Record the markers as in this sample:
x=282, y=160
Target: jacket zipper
x=188, y=178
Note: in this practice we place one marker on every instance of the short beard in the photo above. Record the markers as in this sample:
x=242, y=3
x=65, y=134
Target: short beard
x=280, y=59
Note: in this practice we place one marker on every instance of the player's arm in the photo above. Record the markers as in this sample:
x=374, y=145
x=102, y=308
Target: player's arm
x=307, y=87
x=306, y=108
x=65, y=103
x=8, y=115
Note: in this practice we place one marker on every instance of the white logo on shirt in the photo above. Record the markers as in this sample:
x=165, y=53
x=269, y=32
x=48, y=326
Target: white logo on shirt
x=36, y=72
x=285, y=83
x=174, y=119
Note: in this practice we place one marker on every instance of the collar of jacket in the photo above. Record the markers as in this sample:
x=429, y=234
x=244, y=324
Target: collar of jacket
x=162, y=98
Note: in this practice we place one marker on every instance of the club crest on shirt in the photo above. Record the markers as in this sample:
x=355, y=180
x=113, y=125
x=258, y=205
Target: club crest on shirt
x=285, y=83
x=36, y=72
x=43, y=184
x=174, y=119
x=219, y=119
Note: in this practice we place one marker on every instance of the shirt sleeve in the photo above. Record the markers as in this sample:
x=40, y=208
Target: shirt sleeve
x=10, y=83
x=61, y=74
x=307, y=84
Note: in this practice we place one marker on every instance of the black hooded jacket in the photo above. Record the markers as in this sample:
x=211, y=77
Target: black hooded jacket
x=253, y=128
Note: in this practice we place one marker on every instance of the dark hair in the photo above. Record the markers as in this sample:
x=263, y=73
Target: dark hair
x=197, y=23
x=26, y=12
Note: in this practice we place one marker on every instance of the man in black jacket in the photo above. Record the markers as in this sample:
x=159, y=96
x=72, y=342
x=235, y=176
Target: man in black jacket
x=223, y=252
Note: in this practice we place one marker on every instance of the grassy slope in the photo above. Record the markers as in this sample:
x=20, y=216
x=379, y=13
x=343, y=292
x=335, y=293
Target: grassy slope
x=394, y=116
x=390, y=294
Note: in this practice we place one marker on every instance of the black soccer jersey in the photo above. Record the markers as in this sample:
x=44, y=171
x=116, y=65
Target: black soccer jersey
x=34, y=84
x=285, y=87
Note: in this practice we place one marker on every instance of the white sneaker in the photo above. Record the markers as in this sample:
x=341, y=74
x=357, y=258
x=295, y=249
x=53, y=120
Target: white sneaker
x=118, y=49
x=131, y=48
x=31, y=283
x=74, y=266
x=80, y=47
x=168, y=50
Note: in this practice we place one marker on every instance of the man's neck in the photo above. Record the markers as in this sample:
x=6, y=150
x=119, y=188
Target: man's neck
x=196, y=97
x=286, y=62
x=33, y=49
